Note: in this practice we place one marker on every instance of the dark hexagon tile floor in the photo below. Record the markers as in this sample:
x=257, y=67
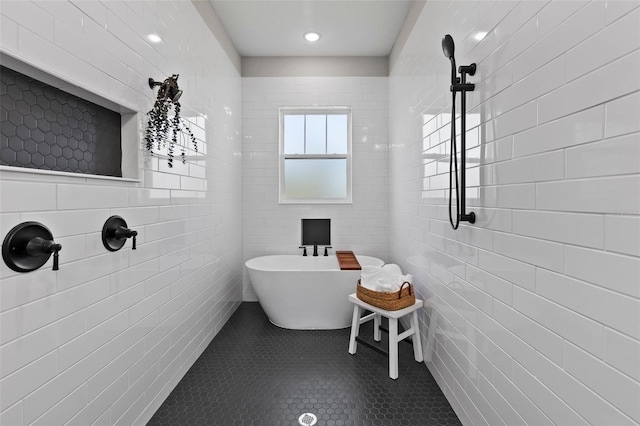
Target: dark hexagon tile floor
x=254, y=373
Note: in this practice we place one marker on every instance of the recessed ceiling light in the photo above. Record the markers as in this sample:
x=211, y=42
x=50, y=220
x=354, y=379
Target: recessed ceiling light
x=154, y=38
x=480, y=35
x=312, y=36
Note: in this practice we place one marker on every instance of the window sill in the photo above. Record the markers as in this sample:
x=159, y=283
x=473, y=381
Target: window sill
x=285, y=202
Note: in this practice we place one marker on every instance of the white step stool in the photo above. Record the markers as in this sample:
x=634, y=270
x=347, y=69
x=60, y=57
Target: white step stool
x=359, y=306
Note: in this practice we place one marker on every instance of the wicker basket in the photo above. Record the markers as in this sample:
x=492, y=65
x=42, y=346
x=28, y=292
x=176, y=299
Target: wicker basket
x=395, y=301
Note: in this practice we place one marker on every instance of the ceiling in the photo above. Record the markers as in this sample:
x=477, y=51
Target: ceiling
x=346, y=27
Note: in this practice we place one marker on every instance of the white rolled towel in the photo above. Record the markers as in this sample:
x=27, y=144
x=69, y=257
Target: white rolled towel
x=369, y=276
x=387, y=278
x=405, y=279
x=392, y=270
x=386, y=286
x=391, y=276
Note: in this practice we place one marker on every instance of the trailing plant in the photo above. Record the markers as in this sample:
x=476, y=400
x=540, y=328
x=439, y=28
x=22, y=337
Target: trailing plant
x=162, y=131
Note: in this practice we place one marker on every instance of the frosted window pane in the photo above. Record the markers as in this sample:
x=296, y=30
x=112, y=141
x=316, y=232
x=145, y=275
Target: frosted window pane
x=313, y=178
x=316, y=134
x=293, y=134
x=336, y=134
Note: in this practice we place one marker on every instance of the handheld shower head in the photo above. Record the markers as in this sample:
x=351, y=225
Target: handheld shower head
x=448, y=47
x=458, y=84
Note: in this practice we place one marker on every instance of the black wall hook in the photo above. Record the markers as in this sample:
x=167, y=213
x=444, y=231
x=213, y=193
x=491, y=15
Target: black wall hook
x=28, y=246
x=115, y=234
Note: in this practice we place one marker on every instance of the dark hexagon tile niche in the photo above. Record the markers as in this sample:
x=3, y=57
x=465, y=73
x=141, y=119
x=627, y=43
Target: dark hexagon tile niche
x=36, y=117
x=254, y=373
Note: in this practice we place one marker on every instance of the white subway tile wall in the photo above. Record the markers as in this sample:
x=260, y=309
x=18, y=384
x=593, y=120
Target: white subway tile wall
x=108, y=336
x=533, y=313
x=273, y=228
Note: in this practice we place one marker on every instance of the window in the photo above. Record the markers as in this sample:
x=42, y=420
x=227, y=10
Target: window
x=315, y=155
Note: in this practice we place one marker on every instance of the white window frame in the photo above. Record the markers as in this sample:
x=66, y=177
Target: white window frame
x=284, y=111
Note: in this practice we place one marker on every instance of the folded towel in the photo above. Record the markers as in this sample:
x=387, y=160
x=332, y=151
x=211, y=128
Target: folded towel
x=386, y=279
x=371, y=277
x=392, y=270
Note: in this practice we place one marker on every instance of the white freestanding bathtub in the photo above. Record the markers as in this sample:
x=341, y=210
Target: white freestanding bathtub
x=305, y=293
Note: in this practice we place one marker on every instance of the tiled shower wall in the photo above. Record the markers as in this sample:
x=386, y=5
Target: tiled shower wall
x=106, y=338
x=533, y=312
x=272, y=228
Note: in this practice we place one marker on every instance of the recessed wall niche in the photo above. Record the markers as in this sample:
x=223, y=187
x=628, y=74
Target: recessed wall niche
x=45, y=127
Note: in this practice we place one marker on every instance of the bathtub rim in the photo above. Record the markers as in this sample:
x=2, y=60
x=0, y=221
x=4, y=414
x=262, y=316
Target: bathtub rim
x=375, y=261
